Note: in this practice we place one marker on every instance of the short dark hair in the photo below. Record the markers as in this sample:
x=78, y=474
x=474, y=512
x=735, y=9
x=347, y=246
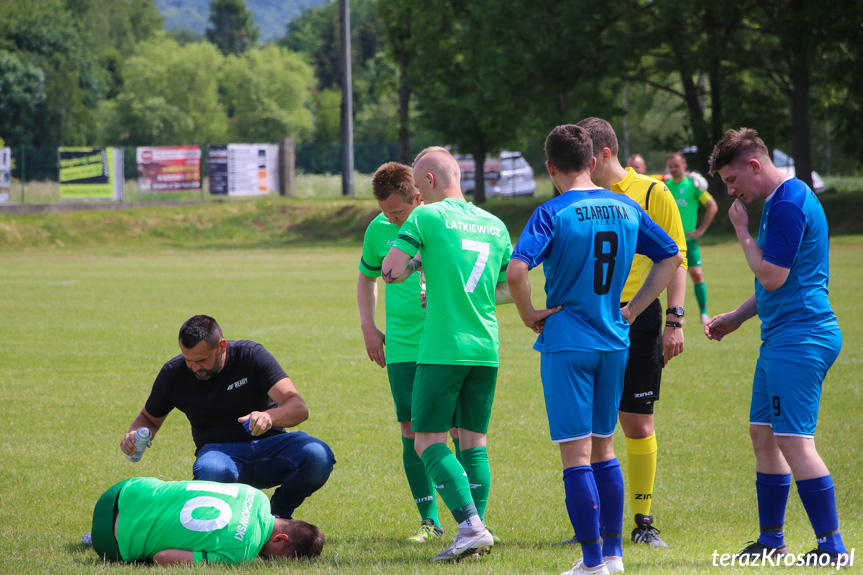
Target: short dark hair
x=306, y=540
x=569, y=149
x=200, y=328
x=601, y=134
x=676, y=155
x=735, y=145
x=394, y=178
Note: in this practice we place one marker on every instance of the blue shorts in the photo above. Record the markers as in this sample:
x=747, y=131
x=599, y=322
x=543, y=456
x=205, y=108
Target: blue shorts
x=786, y=390
x=582, y=392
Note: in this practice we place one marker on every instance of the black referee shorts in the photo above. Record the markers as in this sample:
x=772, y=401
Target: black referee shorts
x=644, y=370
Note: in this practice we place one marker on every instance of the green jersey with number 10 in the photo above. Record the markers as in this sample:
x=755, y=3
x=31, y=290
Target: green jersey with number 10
x=219, y=522
x=465, y=251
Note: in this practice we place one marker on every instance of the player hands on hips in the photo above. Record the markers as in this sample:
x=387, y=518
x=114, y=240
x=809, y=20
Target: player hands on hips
x=583, y=332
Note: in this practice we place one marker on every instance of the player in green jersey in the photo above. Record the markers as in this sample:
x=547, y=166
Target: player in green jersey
x=688, y=196
x=464, y=251
x=393, y=187
x=171, y=522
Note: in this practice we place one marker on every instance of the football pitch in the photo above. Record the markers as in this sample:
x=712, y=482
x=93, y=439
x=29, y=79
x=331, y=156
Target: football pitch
x=82, y=336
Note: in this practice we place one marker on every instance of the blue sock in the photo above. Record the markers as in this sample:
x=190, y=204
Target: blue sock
x=582, y=504
x=609, y=485
x=772, y=490
x=819, y=500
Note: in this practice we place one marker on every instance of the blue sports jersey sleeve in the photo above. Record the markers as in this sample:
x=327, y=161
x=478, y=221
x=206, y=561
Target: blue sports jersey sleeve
x=785, y=225
x=534, y=243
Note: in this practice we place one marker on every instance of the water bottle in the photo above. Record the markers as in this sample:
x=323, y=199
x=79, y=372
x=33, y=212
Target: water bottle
x=142, y=438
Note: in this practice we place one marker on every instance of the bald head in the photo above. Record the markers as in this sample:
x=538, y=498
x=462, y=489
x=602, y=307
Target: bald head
x=437, y=175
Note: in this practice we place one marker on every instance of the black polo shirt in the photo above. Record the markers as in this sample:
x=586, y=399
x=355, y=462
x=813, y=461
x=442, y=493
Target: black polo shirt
x=213, y=406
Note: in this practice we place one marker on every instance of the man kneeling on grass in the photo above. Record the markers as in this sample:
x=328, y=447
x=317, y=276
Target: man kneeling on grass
x=172, y=522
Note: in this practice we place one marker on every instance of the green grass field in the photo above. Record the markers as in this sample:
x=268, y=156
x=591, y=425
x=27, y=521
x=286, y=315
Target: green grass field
x=84, y=332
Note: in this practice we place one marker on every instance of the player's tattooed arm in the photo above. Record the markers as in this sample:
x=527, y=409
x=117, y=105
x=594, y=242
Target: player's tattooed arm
x=397, y=266
x=414, y=265
x=389, y=277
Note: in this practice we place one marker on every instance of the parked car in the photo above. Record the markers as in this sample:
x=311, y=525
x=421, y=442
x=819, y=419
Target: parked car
x=781, y=160
x=786, y=163
x=506, y=175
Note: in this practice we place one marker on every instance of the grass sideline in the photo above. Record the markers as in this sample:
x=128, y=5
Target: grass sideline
x=282, y=222
x=84, y=333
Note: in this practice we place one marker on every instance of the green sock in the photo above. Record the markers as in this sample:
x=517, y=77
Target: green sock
x=475, y=463
x=450, y=481
x=701, y=296
x=455, y=442
x=419, y=482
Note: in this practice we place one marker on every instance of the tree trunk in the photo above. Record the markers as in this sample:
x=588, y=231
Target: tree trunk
x=404, y=103
x=479, y=154
x=801, y=148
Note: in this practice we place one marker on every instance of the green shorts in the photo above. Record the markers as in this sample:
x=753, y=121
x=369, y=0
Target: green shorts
x=104, y=516
x=693, y=254
x=401, y=377
x=453, y=395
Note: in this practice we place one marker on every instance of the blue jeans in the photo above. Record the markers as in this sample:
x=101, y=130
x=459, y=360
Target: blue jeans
x=296, y=462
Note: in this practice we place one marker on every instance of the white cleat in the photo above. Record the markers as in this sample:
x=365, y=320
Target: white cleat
x=464, y=546
x=705, y=319
x=579, y=568
x=614, y=564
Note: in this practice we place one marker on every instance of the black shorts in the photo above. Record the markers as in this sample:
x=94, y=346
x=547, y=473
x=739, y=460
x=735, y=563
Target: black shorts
x=644, y=370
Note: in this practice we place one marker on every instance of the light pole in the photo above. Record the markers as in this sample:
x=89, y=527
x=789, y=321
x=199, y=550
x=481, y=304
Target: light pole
x=347, y=124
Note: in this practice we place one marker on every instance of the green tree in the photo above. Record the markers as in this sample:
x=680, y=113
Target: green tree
x=170, y=96
x=22, y=86
x=267, y=94
x=232, y=28
x=47, y=37
x=118, y=24
x=396, y=17
x=315, y=35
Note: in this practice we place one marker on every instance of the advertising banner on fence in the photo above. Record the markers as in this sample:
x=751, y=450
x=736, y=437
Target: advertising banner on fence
x=168, y=168
x=217, y=158
x=91, y=173
x=5, y=173
x=244, y=169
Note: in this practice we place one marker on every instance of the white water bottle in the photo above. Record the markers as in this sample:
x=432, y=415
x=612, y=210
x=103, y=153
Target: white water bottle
x=142, y=438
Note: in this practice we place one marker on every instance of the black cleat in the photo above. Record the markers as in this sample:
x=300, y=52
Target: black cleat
x=820, y=558
x=755, y=549
x=646, y=532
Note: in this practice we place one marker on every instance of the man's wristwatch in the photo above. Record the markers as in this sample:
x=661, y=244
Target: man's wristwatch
x=675, y=311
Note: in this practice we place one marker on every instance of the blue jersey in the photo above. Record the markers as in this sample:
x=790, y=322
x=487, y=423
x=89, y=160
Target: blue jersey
x=586, y=241
x=793, y=234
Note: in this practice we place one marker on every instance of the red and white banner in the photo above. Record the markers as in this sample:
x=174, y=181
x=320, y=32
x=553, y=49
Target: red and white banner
x=169, y=168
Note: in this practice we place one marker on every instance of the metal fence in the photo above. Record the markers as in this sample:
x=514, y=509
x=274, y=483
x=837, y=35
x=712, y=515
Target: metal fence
x=35, y=171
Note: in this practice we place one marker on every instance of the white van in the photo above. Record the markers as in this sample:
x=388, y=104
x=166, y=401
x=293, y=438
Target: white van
x=506, y=175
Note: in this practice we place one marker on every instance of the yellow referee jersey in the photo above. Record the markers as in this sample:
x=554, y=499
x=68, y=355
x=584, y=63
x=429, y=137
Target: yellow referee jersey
x=655, y=199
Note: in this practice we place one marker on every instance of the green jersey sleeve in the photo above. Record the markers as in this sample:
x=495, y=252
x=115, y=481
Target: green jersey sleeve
x=376, y=235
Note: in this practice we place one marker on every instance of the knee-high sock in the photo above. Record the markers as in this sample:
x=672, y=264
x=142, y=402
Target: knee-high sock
x=701, y=296
x=475, y=463
x=609, y=485
x=419, y=481
x=819, y=500
x=450, y=481
x=772, y=490
x=641, y=472
x=457, y=448
x=582, y=505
